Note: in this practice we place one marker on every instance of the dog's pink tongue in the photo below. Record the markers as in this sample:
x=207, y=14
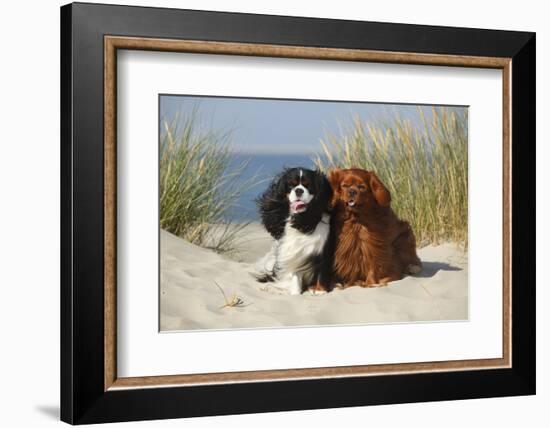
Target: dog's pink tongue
x=297, y=205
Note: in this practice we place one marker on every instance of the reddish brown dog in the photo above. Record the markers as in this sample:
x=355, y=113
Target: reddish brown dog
x=372, y=245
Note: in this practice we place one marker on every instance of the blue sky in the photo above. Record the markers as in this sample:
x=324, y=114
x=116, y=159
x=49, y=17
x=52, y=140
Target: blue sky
x=270, y=126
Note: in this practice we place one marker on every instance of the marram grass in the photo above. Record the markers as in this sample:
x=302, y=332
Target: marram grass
x=424, y=167
x=199, y=185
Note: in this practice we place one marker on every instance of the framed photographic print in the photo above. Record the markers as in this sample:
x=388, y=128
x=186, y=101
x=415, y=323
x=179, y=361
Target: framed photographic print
x=278, y=213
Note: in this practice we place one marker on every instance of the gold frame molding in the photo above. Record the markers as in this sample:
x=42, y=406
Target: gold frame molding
x=113, y=43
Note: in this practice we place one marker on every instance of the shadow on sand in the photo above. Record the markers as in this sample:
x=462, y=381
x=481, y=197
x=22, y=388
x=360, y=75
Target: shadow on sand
x=429, y=269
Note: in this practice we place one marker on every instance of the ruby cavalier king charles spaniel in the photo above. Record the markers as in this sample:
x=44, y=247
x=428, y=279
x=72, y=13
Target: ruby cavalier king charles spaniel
x=372, y=246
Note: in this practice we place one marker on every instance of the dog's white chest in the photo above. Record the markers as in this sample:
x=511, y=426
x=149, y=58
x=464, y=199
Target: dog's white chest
x=295, y=247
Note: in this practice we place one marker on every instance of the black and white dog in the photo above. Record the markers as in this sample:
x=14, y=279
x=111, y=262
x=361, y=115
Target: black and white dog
x=294, y=210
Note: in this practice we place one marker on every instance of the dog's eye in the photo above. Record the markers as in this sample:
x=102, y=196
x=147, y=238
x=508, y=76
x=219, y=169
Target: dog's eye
x=361, y=187
x=345, y=186
x=305, y=183
x=293, y=183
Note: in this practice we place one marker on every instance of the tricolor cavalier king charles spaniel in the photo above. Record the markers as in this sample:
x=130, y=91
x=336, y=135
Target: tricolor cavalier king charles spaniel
x=294, y=210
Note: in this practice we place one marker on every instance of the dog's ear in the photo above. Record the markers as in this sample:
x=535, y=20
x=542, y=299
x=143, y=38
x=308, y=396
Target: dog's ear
x=334, y=179
x=381, y=194
x=324, y=189
x=273, y=206
x=280, y=185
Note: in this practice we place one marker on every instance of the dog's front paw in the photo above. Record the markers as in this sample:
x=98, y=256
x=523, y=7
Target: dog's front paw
x=373, y=284
x=317, y=290
x=294, y=291
x=295, y=287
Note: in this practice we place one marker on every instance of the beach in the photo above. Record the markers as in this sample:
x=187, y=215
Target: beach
x=194, y=281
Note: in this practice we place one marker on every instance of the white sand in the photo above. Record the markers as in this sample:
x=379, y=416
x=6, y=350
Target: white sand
x=191, y=300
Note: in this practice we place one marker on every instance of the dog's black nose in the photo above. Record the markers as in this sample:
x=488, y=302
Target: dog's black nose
x=299, y=192
x=352, y=192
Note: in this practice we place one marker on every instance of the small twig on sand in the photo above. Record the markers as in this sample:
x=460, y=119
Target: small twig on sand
x=234, y=302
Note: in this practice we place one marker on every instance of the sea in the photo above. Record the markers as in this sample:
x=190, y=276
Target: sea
x=263, y=167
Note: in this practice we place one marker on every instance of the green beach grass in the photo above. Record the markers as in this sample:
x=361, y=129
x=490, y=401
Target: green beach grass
x=425, y=168
x=199, y=185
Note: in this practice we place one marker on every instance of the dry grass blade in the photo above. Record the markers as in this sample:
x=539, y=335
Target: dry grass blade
x=234, y=302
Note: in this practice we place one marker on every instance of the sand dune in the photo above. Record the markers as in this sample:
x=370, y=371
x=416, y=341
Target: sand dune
x=190, y=298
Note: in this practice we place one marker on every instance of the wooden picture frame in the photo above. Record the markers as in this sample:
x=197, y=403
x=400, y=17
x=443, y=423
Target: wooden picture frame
x=91, y=391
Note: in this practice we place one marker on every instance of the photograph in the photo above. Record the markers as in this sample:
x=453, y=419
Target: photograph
x=304, y=213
